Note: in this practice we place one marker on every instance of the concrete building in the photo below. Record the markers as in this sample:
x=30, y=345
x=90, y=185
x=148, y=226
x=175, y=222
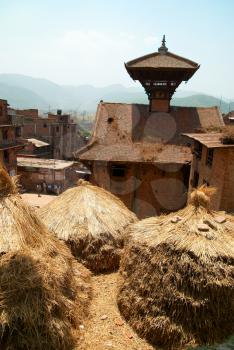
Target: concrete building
x=58, y=130
x=137, y=151
x=10, y=137
x=213, y=165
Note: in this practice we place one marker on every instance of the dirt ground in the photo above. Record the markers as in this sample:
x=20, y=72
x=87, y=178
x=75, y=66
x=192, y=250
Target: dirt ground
x=106, y=329
x=35, y=201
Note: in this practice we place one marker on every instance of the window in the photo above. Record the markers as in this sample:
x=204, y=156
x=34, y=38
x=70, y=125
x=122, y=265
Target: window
x=209, y=157
x=198, y=150
x=57, y=128
x=1, y=111
x=110, y=120
x=45, y=126
x=195, y=179
x=18, y=132
x=6, y=156
x=118, y=170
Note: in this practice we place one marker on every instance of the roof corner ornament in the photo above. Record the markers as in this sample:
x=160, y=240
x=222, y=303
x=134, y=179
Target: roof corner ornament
x=163, y=48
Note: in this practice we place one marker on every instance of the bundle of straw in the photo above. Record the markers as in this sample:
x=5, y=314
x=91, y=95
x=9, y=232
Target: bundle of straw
x=92, y=222
x=178, y=286
x=44, y=292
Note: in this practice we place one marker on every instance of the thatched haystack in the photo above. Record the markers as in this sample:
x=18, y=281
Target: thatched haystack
x=92, y=222
x=178, y=276
x=44, y=292
x=227, y=137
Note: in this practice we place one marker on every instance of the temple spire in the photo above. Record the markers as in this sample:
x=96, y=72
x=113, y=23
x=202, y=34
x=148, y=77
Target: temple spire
x=163, y=48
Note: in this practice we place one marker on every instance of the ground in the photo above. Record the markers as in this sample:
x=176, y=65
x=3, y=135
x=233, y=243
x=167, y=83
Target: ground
x=35, y=201
x=106, y=329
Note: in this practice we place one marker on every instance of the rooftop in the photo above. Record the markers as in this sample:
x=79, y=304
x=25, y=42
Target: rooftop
x=210, y=140
x=162, y=61
x=129, y=132
x=38, y=143
x=138, y=153
x=43, y=163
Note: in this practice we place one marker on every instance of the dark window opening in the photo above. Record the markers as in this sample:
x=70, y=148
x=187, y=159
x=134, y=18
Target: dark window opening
x=195, y=179
x=209, y=157
x=118, y=171
x=110, y=120
x=6, y=157
x=5, y=135
x=1, y=111
x=45, y=126
x=18, y=132
x=198, y=150
x=186, y=175
x=57, y=128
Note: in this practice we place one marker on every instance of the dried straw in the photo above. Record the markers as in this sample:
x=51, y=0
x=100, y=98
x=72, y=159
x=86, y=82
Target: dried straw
x=178, y=286
x=92, y=222
x=227, y=137
x=44, y=292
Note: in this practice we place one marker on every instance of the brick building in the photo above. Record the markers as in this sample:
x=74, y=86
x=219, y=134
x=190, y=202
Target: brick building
x=58, y=130
x=213, y=165
x=36, y=148
x=10, y=137
x=53, y=173
x=137, y=151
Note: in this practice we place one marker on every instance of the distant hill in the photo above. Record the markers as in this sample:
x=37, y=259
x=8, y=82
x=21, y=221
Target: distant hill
x=28, y=92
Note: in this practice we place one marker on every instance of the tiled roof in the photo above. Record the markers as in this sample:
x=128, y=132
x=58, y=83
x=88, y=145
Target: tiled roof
x=129, y=132
x=43, y=163
x=210, y=140
x=157, y=60
x=137, y=152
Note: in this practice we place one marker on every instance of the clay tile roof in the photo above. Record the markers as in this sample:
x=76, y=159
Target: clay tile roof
x=128, y=132
x=150, y=153
x=210, y=140
x=157, y=60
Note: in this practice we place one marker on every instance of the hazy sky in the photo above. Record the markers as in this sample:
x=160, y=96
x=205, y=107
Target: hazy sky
x=87, y=42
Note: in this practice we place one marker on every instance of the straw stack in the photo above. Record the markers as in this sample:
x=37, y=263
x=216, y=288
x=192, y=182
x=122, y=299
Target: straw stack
x=178, y=276
x=92, y=222
x=44, y=292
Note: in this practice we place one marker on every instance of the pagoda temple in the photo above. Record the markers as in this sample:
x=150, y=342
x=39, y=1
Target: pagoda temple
x=137, y=151
x=160, y=73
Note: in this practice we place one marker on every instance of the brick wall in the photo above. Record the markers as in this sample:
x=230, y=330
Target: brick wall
x=146, y=189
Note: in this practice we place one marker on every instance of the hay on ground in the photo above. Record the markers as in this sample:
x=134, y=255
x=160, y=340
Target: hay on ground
x=44, y=292
x=92, y=222
x=178, y=276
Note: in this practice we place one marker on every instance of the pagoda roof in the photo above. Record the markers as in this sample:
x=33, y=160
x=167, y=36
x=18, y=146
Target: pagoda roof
x=161, y=65
x=158, y=60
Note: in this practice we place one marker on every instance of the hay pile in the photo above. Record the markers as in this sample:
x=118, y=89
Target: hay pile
x=92, y=222
x=228, y=135
x=178, y=276
x=44, y=292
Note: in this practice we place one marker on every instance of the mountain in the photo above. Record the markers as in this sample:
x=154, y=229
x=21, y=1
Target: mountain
x=27, y=92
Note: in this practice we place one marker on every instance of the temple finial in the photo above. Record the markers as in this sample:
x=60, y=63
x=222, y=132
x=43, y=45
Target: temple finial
x=163, y=48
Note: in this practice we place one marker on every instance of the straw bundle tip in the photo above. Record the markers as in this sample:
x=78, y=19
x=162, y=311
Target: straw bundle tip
x=201, y=197
x=8, y=185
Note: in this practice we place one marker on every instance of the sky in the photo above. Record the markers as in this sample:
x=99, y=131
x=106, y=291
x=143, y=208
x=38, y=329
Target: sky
x=76, y=42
